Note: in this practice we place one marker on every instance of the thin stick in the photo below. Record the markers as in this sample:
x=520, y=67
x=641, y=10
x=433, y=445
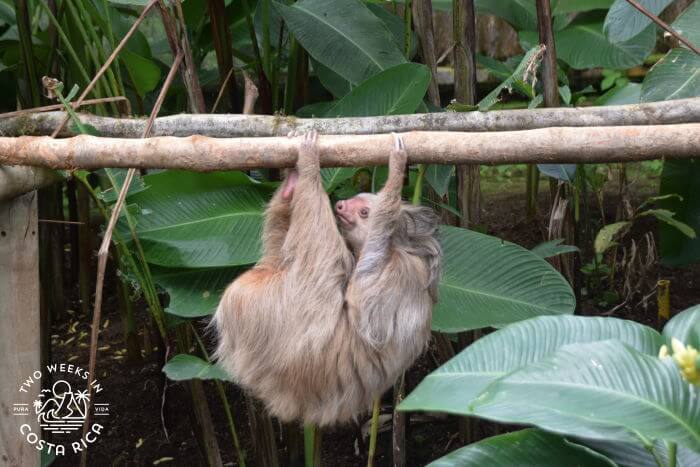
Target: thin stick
x=222, y=89
x=106, y=65
x=664, y=25
x=49, y=108
x=374, y=428
x=104, y=251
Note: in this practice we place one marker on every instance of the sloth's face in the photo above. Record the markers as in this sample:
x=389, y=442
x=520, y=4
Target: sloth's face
x=353, y=218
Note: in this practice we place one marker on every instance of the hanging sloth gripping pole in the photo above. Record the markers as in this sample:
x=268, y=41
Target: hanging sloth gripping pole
x=201, y=153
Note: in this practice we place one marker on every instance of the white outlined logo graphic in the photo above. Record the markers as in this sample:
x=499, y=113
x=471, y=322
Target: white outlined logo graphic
x=60, y=411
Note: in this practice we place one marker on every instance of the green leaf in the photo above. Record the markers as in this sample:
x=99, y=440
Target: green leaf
x=516, y=77
x=332, y=81
x=438, y=176
x=681, y=178
x=667, y=216
x=624, y=21
x=636, y=455
x=116, y=180
x=333, y=177
x=184, y=366
x=394, y=24
x=395, y=91
x=685, y=326
x=529, y=447
x=553, y=248
x=604, y=239
x=599, y=390
x=688, y=24
x=200, y=219
x=487, y=281
x=144, y=73
x=624, y=95
x=521, y=14
x=194, y=292
x=575, y=6
x=456, y=384
x=563, y=172
x=583, y=45
x=675, y=76
x=343, y=35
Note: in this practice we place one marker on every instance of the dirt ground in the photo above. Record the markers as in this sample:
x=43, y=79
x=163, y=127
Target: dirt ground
x=147, y=428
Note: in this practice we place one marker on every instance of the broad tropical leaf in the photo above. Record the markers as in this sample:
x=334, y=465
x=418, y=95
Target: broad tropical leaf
x=144, y=73
x=520, y=13
x=184, y=366
x=487, y=281
x=606, y=235
x=628, y=94
x=456, y=384
x=397, y=90
x=583, y=45
x=675, y=76
x=685, y=327
x=529, y=447
x=438, y=176
x=200, y=220
x=600, y=390
x=343, y=35
x=516, y=77
x=667, y=216
x=688, y=23
x=574, y=6
x=624, y=21
x=334, y=176
x=553, y=248
x=563, y=172
x=636, y=455
x=194, y=292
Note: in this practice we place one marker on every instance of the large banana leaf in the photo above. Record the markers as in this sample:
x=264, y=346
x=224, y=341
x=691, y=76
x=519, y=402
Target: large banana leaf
x=396, y=90
x=601, y=390
x=194, y=292
x=574, y=6
x=200, y=220
x=455, y=385
x=343, y=35
x=675, y=76
x=685, y=327
x=624, y=21
x=524, y=448
x=636, y=455
x=490, y=282
x=583, y=45
x=688, y=23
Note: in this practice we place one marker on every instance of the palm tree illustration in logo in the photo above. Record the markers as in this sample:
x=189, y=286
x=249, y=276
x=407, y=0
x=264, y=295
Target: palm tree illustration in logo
x=62, y=410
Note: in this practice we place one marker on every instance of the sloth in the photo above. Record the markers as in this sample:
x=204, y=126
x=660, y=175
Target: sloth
x=340, y=303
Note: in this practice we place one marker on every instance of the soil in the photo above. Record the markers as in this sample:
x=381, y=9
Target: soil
x=150, y=421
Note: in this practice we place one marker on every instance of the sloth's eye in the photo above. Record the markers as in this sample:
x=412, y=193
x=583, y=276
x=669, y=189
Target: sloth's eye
x=364, y=212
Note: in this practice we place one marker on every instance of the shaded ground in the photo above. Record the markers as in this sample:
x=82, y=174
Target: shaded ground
x=135, y=432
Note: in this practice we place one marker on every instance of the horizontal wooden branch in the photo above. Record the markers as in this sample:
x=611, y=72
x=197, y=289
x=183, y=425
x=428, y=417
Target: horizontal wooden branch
x=15, y=181
x=232, y=126
x=201, y=153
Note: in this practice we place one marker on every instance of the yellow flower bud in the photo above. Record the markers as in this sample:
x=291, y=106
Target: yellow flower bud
x=663, y=351
x=686, y=357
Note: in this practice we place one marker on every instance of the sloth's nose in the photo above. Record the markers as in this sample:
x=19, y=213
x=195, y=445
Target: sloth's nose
x=339, y=206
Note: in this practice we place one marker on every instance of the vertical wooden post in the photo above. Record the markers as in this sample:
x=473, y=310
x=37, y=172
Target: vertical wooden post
x=19, y=331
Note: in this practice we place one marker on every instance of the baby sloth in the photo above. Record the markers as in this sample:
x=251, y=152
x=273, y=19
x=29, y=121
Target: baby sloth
x=338, y=306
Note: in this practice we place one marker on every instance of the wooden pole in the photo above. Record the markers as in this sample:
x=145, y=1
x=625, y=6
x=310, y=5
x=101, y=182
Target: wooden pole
x=19, y=333
x=198, y=153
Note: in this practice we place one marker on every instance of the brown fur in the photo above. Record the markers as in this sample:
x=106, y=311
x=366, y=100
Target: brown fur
x=318, y=332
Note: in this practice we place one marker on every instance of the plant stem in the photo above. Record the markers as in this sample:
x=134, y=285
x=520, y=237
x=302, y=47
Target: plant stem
x=418, y=190
x=312, y=446
x=672, y=453
x=292, y=68
x=373, y=433
x=224, y=401
x=407, y=23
